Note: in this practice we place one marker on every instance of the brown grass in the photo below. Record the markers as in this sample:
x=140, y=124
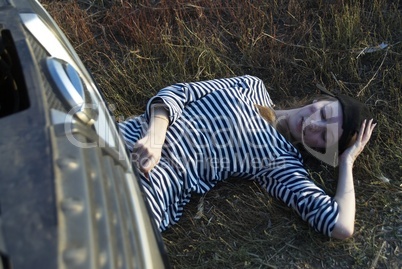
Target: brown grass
x=134, y=48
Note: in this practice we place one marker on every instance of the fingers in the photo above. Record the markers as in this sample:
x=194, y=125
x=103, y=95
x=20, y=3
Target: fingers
x=145, y=157
x=372, y=126
x=361, y=131
x=145, y=163
x=367, y=130
x=365, y=133
x=145, y=166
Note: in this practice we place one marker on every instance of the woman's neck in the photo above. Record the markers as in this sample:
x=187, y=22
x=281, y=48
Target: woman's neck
x=282, y=123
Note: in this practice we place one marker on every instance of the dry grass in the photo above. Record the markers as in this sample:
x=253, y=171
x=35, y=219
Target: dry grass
x=134, y=48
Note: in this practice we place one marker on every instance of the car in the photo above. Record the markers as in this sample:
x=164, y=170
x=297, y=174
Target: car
x=69, y=194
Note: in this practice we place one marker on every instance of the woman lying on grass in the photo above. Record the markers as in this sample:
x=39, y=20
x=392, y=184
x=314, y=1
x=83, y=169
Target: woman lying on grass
x=194, y=135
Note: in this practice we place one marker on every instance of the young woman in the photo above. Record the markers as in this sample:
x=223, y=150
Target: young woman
x=194, y=135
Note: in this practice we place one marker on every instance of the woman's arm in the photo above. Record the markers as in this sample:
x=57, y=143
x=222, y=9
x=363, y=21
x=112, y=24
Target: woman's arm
x=178, y=96
x=345, y=193
x=148, y=150
x=166, y=107
x=345, y=197
x=288, y=181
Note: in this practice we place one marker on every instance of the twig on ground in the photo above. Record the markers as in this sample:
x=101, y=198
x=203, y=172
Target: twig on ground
x=375, y=74
x=375, y=261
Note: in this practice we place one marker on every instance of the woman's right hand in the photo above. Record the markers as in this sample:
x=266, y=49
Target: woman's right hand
x=148, y=150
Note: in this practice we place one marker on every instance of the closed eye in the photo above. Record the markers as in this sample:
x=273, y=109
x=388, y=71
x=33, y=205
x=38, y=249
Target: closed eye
x=324, y=132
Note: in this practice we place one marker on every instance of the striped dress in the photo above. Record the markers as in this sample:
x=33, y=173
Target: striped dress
x=216, y=132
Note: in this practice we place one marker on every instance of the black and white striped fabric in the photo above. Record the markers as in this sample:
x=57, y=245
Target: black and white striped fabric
x=215, y=133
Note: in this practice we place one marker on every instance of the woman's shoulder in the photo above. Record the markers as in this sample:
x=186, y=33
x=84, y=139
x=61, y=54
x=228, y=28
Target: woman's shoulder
x=251, y=80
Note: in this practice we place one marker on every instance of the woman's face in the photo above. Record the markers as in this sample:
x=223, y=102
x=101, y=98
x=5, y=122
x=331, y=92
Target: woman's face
x=318, y=125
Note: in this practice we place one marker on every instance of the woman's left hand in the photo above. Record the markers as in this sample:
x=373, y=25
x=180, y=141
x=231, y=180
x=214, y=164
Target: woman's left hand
x=350, y=154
